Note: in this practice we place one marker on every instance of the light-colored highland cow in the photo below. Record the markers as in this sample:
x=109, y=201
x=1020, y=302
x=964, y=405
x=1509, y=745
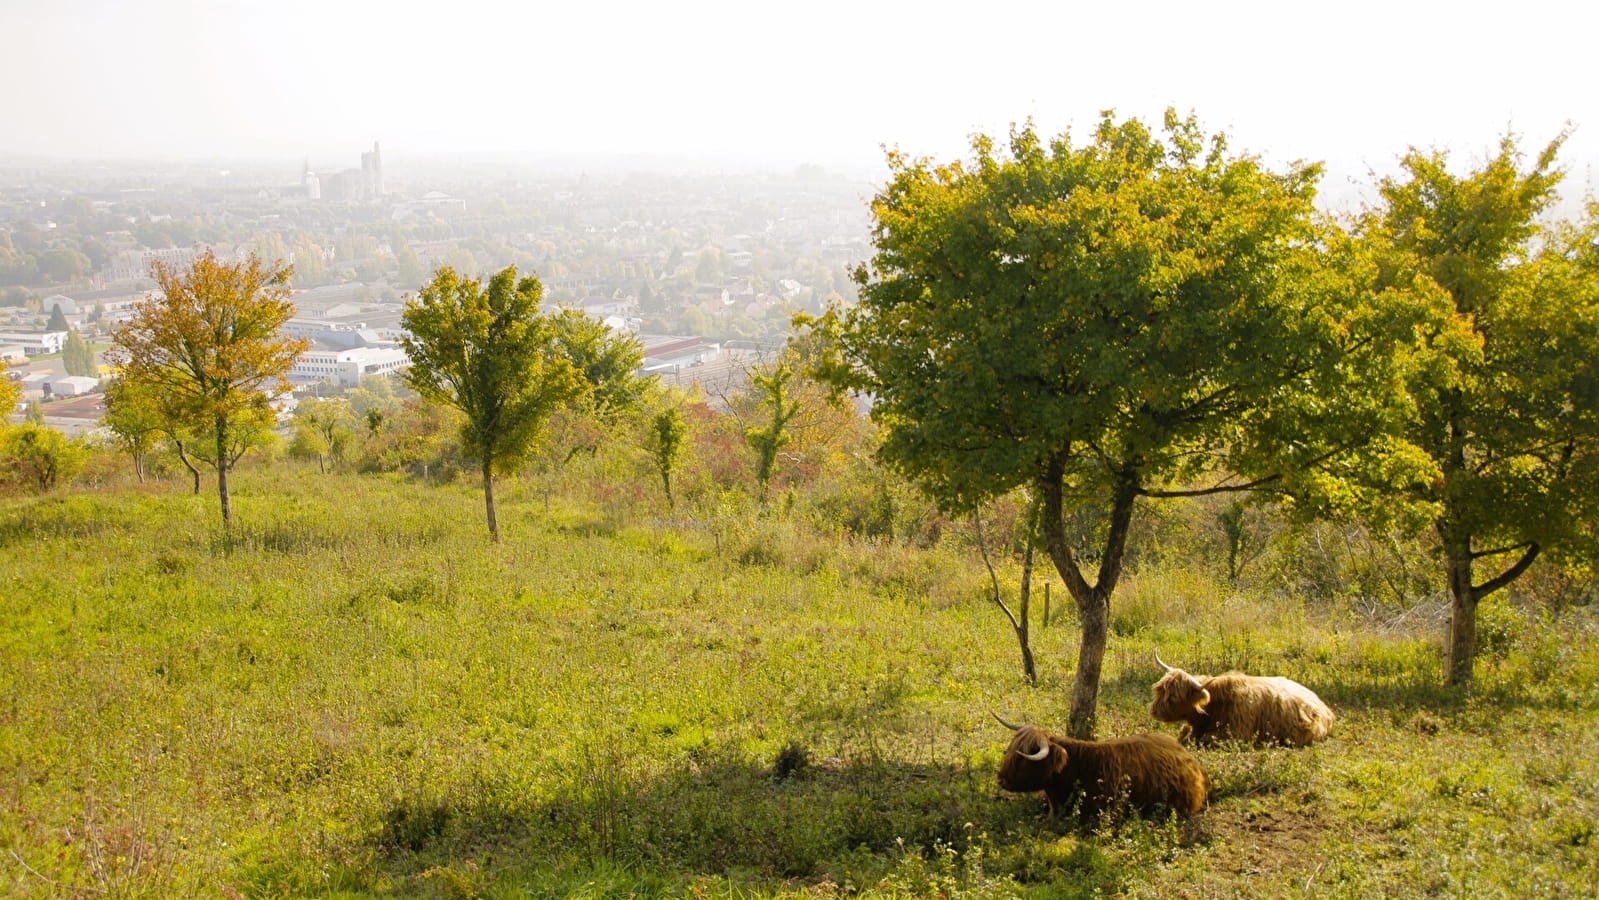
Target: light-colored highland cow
x=1144, y=771
x=1253, y=709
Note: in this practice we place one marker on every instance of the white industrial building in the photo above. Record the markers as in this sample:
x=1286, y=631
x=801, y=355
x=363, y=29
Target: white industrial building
x=35, y=343
x=346, y=368
x=71, y=386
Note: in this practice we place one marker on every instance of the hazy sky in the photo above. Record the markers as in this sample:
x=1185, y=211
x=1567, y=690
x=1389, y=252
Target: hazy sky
x=1353, y=83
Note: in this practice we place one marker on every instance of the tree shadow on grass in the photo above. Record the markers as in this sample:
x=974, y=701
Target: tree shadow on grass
x=758, y=827
x=715, y=814
x=1480, y=706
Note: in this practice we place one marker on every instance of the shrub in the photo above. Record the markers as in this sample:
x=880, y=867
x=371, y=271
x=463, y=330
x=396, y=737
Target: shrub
x=37, y=458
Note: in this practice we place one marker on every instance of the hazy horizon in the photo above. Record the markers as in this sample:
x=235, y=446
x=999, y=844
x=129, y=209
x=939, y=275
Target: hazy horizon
x=831, y=83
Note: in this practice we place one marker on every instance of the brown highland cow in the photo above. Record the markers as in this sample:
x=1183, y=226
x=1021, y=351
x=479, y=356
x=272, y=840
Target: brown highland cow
x=1145, y=771
x=1233, y=706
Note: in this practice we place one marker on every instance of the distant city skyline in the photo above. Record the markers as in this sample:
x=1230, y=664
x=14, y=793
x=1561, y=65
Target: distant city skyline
x=828, y=82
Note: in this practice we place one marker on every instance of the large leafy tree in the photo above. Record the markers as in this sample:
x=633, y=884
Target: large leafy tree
x=1136, y=317
x=487, y=351
x=1506, y=386
x=209, y=352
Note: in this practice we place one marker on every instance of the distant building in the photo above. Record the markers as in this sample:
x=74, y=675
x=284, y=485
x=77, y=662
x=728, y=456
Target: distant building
x=309, y=183
x=350, y=185
x=601, y=307
x=71, y=386
x=346, y=186
x=436, y=202
x=672, y=353
x=341, y=335
x=67, y=305
x=346, y=368
x=36, y=343
x=134, y=265
x=372, y=172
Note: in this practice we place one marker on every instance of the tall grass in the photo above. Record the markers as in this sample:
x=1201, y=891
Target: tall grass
x=356, y=694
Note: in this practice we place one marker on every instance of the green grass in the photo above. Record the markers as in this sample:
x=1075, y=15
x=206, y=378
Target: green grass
x=359, y=696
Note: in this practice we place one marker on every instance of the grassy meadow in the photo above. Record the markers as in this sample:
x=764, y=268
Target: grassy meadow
x=359, y=696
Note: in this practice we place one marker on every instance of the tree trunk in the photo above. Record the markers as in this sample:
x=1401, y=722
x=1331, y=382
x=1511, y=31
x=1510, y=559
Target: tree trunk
x=1462, y=616
x=488, y=499
x=1464, y=598
x=184, y=456
x=138, y=467
x=222, y=475
x=1093, y=600
x=1095, y=613
x=1029, y=667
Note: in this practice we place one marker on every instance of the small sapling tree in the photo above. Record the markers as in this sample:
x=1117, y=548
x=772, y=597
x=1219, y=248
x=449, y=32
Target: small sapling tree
x=1019, y=618
x=134, y=421
x=324, y=430
x=209, y=351
x=667, y=432
x=487, y=351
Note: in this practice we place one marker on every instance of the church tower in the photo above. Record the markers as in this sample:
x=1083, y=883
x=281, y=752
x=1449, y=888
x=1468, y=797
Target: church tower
x=372, y=172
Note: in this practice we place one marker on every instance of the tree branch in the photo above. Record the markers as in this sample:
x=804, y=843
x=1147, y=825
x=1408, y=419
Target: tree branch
x=1054, y=529
x=1258, y=483
x=1508, y=575
x=1482, y=554
x=1222, y=488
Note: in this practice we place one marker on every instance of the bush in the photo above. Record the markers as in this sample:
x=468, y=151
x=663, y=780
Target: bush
x=37, y=458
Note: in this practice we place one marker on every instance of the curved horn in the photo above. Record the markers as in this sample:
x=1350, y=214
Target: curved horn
x=1162, y=662
x=1005, y=723
x=1041, y=754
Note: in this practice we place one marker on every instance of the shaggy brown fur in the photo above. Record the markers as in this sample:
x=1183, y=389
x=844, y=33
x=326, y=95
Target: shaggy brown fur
x=1237, y=707
x=1145, y=771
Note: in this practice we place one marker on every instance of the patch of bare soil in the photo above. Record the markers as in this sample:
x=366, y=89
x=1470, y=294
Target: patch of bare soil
x=1262, y=842
x=1262, y=851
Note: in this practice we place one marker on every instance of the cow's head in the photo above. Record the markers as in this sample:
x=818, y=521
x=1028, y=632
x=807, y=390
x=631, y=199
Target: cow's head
x=1031, y=760
x=1178, y=695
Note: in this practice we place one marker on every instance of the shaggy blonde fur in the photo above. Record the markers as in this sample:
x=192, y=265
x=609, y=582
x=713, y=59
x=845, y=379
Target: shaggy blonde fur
x=1233, y=706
